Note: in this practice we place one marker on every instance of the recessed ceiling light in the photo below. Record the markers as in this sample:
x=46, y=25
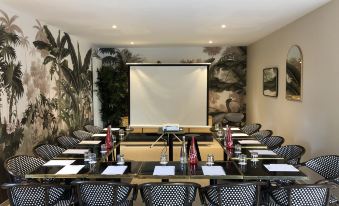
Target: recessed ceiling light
x=210, y=42
x=114, y=27
x=132, y=43
x=223, y=26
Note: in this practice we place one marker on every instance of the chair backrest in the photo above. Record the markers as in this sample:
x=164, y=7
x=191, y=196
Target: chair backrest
x=315, y=195
x=67, y=142
x=234, y=118
x=262, y=134
x=292, y=153
x=173, y=193
x=272, y=142
x=245, y=194
x=19, y=166
x=92, y=193
x=93, y=129
x=38, y=194
x=327, y=166
x=47, y=151
x=250, y=128
x=82, y=135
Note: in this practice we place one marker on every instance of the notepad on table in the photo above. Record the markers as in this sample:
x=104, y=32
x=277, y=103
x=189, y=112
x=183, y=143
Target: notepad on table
x=249, y=142
x=164, y=170
x=99, y=135
x=235, y=128
x=263, y=152
x=75, y=151
x=213, y=170
x=58, y=162
x=113, y=129
x=90, y=142
x=70, y=170
x=281, y=168
x=239, y=135
x=114, y=170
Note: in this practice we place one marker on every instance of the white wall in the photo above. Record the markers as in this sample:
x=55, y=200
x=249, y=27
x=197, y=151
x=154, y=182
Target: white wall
x=313, y=122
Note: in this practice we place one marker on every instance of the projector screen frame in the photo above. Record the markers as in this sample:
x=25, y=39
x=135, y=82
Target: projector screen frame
x=167, y=64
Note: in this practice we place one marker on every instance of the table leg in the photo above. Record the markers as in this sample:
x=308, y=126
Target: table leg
x=170, y=147
x=164, y=180
x=213, y=181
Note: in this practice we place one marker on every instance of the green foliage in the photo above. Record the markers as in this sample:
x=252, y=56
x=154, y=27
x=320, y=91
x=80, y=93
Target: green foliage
x=113, y=84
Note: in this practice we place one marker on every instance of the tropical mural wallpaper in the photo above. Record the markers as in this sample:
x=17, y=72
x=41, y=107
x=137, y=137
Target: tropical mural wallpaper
x=227, y=77
x=45, y=85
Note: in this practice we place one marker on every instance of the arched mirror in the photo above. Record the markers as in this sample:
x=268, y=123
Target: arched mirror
x=294, y=66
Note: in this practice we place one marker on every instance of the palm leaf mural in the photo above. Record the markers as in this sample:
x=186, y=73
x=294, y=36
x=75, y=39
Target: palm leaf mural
x=8, y=22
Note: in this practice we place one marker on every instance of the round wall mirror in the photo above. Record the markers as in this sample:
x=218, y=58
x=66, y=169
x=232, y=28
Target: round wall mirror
x=294, y=66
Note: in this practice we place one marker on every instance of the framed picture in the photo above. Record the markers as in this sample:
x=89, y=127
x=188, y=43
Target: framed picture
x=270, y=82
x=294, y=67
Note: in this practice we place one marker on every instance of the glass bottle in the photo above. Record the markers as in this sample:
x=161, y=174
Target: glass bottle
x=108, y=139
x=193, y=158
x=183, y=152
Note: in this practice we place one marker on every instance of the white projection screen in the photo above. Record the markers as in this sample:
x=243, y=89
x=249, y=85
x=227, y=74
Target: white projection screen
x=168, y=94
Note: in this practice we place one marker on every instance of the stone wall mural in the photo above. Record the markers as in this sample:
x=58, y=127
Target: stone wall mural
x=45, y=85
x=227, y=81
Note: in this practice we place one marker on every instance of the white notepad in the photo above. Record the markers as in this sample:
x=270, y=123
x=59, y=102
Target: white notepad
x=70, y=170
x=281, y=168
x=99, y=135
x=235, y=128
x=112, y=129
x=249, y=142
x=58, y=162
x=164, y=170
x=213, y=170
x=114, y=170
x=90, y=142
x=239, y=135
x=263, y=152
x=75, y=151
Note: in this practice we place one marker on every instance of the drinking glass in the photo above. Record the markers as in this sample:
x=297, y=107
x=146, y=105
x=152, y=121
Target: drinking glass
x=210, y=159
x=242, y=159
x=103, y=148
x=220, y=133
x=114, y=138
x=92, y=158
x=86, y=156
x=163, y=159
x=121, y=134
x=121, y=159
x=237, y=148
x=254, y=156
x=216, y=127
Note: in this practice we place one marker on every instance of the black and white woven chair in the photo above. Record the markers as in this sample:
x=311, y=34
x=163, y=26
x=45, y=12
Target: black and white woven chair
x=262, y=134
x=291, y=153
x=173, y=193
x=67, y=142
x=98, y=193
x=82, y=135
x=29, y=194
x=300, y=195
x=93, y=129
x=250, y=128
x=18, y=166
x=47, y=151
x=245, y=194
x=272, y=142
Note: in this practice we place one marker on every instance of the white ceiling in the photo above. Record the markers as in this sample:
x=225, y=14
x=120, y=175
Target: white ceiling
x=167, y=22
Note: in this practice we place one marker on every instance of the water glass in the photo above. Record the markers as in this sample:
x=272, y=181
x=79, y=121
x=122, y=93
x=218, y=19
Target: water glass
x=103, y=148
x=121, y=134
x=121, y=159
x=237, y=148
x=220, y=133
x=86, y=156
x=114, y=138
x=210, y=159
x=254, y=156
x=242, y=159
x=216, y=127
x=163, y=159
x=92, y=158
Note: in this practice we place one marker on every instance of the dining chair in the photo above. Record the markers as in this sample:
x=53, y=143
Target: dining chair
x=272, y=142
x=234, y=119
x=82, y=135
x=168, y=193
x=20, y=165
x=300, y=195
x=291, y=153
x=243, y=193
x=47, y=151
x=38, y=194
x=250, y=128
x=93, y=129
x=98, y=193
x=262, y=134
x=67, y=142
